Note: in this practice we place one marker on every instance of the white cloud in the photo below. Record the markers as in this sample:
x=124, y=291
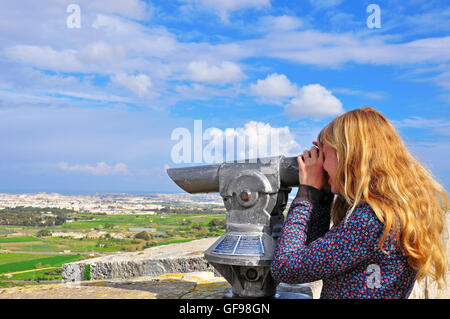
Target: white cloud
x=101, y=52
x=95, y=96
x=442, y=79
x=314, y=101
x=254, y=140
x=142, y=40
x=101, y=169
x=274, y=85
x=200, y=91
x=309, y=101
x=334, y=49
x=437, y=126
x=135, y=9
x=261, y=131
x=420, y=122
x=201, y=71
x=280, y=23
x=263, y=140
x=224, y=7
x=365, y=94
x=95, y=57
x=139, y=84
x=110, y=43
x=44, y=57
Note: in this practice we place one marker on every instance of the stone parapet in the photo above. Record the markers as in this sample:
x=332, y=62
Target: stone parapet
x=174, y=258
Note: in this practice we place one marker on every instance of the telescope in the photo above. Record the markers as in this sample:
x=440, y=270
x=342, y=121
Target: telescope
x=255, y=194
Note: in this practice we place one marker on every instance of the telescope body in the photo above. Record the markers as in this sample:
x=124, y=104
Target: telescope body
x=255, y=194
x=205, y=178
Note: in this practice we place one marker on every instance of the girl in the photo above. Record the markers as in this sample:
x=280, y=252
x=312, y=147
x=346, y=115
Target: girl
x=388, y=215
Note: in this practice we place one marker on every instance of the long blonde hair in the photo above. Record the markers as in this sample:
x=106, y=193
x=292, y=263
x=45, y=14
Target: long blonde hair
x=374, y=166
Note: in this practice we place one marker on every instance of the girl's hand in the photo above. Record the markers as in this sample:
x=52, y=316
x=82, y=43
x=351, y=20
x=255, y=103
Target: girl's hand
x=311, y=170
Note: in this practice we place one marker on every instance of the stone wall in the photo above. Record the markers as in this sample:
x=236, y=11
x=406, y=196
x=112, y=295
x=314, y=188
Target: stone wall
x=126, y=269
x=154, y=261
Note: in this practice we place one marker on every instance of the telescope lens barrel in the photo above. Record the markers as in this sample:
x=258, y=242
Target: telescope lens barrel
x=196, y=179
x=289, y=172
x=205, y=179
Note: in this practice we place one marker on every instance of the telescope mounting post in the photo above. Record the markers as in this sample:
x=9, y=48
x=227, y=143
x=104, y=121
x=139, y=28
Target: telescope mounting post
x=255, y=194
x=255, y=202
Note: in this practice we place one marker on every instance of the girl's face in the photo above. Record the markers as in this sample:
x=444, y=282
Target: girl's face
x=330, y=164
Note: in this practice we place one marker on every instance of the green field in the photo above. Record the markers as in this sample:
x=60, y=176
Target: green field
x=168, y=229
x=17, y=239
x=11, y=262
x=30, y=267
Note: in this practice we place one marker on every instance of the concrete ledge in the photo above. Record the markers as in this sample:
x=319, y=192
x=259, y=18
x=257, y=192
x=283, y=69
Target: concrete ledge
x=174, y=258
x=196, y=285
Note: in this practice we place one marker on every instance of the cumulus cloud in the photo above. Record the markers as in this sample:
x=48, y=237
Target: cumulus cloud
x=265, y=139
x=202, y=71
x=101, y=52
x=139, y=84
x=101, y=169
x=44, y=57
x=153, y=41
x=314, y=101
x=94, y=57
x=274, y=85
x=254, y=140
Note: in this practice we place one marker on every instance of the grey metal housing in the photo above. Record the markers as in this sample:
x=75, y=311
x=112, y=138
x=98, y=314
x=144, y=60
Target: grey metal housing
x=255, y=194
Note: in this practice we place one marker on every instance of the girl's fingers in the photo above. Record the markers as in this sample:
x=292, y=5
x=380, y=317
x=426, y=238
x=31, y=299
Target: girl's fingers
x=301, y=165
x=313, y=152
x=321, y=155
x=306, y=155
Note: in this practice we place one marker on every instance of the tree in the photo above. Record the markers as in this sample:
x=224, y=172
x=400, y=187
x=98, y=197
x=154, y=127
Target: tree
x=43, y=233
x=142, y=235
x=217, y=223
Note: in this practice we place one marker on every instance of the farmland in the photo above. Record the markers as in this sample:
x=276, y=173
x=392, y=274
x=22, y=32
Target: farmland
x=31, y=255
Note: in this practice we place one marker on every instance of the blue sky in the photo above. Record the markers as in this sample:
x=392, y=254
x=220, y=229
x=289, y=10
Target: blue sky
x=92, y=109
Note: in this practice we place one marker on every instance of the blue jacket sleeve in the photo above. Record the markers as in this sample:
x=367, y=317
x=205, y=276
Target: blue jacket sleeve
x=296, y=260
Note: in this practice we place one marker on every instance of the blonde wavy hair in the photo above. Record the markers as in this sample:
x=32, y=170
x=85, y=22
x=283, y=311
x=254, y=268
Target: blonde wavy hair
x=374, y=166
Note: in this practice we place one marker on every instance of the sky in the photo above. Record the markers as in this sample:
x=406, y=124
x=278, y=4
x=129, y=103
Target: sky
x=93, y=93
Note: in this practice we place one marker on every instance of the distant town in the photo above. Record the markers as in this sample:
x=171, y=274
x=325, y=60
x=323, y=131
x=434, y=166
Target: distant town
x=114, y=203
